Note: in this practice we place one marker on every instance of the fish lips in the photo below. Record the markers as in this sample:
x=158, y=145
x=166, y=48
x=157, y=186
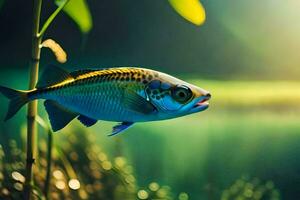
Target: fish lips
x=200, y=104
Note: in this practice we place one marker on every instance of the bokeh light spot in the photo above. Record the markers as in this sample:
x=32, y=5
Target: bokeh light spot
x=153, y=186
x=18, y=176
x=142, y=194
x=58, y=174
x=248, y=193
x=5, y=191
x=102, y=156
x=60, y=185
x=74, y=184
x=120, y=161
x=106, y=165
x=161, y=193
x=183, y=196
x=18, y=186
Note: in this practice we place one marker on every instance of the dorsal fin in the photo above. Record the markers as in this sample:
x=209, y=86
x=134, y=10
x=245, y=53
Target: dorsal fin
x=52, y=75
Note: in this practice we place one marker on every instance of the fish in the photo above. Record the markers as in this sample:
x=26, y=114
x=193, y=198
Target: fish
x=126, y=95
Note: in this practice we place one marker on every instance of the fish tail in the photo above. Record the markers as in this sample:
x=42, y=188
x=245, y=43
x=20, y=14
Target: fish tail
x=17, y=99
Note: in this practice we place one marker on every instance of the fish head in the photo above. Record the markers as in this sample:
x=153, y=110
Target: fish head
x=174, y=98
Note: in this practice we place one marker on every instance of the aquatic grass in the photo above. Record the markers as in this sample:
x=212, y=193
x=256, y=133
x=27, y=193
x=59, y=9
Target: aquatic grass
x=49, y=151
x=32, y=106
x=81, y=170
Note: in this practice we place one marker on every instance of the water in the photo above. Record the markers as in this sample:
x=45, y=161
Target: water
x=249, y=130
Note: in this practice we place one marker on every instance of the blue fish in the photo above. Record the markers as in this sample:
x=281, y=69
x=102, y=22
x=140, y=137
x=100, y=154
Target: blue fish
x=126, y=95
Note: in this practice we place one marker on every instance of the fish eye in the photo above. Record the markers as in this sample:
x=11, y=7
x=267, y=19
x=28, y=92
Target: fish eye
x=182, y=93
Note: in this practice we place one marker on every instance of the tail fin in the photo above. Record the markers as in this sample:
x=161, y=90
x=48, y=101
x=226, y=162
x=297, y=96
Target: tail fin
x=17, y=100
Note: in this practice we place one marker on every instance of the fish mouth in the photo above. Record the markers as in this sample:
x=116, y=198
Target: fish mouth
x=202, y=104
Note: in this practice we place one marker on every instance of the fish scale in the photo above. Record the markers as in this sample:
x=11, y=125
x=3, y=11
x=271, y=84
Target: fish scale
x=79, y=90
x=108, y=94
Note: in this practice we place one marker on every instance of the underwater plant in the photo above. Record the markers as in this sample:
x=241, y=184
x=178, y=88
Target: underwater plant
x=80, y=170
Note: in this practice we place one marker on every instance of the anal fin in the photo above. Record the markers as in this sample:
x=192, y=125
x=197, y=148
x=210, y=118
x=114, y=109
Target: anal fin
x=86, y=120
x=58, y=115
x=120, y=127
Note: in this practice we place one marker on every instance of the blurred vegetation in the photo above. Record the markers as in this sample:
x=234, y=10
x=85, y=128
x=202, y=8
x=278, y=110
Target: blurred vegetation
x=81, y=170
x=251, y=189
x=83, y=18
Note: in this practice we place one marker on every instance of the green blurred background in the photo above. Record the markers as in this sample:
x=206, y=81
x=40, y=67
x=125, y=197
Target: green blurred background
x=246, y=55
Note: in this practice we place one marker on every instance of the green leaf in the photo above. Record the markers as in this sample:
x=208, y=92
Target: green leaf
x=191, y=10
x=79, y=11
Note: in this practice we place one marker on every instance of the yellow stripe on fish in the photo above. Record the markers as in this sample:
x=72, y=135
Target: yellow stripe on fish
x=112, y=74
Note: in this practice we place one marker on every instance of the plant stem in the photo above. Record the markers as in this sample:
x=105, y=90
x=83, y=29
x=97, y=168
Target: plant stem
x=44, y=125
x=32, y=106
x=66, y=163
x=49, y=155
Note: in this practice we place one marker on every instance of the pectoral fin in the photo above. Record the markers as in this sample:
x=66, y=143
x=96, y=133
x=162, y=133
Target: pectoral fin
x=120, y=127
x=137, y=103
x=58, y=115
x=86, y=120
